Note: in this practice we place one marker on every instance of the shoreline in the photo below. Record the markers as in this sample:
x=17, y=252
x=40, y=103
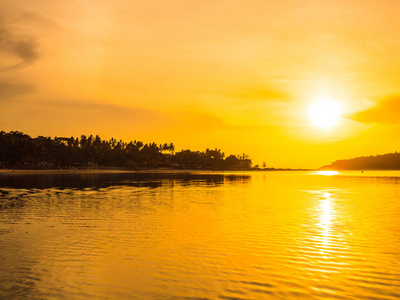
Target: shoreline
x=112, y=171
x=116, y=171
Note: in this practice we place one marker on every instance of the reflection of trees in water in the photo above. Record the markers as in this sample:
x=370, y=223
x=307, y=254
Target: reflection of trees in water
x=97, y=180
x=17, y=189
x=12, y=199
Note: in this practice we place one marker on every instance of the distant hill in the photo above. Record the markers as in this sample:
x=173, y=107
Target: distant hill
x=390, y=161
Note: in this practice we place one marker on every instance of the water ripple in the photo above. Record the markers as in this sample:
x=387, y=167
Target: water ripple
x=276, y=236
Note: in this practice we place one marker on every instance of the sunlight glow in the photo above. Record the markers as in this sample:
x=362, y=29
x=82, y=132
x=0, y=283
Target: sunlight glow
x=327, y=173
x=325, y=113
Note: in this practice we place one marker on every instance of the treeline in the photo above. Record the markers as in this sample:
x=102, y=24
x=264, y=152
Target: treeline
x=19, y=150
x=390, y=161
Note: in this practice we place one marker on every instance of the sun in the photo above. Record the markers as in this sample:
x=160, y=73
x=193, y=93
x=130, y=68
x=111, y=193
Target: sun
x=325, y=113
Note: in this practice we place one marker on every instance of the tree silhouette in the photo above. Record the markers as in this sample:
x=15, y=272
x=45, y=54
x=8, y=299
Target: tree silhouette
x=19, y=150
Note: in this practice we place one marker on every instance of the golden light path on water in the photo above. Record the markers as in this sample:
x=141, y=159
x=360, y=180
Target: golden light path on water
x=326, y=216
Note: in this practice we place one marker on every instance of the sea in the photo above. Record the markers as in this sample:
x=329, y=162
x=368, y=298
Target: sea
x=200, y=235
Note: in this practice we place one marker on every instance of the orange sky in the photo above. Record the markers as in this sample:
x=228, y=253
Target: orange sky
x=237, y=75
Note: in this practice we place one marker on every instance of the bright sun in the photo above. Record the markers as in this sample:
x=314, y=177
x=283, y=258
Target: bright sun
x=325, y=113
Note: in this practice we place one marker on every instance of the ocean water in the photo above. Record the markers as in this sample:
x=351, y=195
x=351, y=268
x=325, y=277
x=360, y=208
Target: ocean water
x=253, y=235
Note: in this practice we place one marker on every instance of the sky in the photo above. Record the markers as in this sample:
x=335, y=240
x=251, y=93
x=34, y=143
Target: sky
x=240, y=76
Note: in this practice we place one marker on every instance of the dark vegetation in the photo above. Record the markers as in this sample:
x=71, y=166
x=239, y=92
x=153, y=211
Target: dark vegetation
x=390, y=161
x=19, y=150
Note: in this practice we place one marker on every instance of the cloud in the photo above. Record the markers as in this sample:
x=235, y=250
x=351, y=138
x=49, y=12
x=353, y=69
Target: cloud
x=33, y=19
x=261, y=95
x=12, y=89
x=256, y=94
x=183, y=121
x=22, y=46
x=386, y=111
x=82, y=117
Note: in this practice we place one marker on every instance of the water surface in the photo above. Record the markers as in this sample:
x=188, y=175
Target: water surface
x=255, y=235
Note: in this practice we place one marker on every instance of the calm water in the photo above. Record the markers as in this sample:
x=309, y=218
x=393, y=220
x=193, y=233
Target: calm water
x=265, y=235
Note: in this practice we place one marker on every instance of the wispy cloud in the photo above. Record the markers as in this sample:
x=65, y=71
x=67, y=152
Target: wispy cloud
x=34, y=19
x=249, y=94
x=10, y=89
x=386, y=111
x=22, y=46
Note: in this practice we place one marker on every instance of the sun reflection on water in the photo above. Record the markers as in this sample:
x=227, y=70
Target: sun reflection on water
x=325, y=219
x=327, y=173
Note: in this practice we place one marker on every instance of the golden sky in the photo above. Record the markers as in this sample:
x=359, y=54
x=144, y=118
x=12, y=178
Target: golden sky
x=236, y=75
